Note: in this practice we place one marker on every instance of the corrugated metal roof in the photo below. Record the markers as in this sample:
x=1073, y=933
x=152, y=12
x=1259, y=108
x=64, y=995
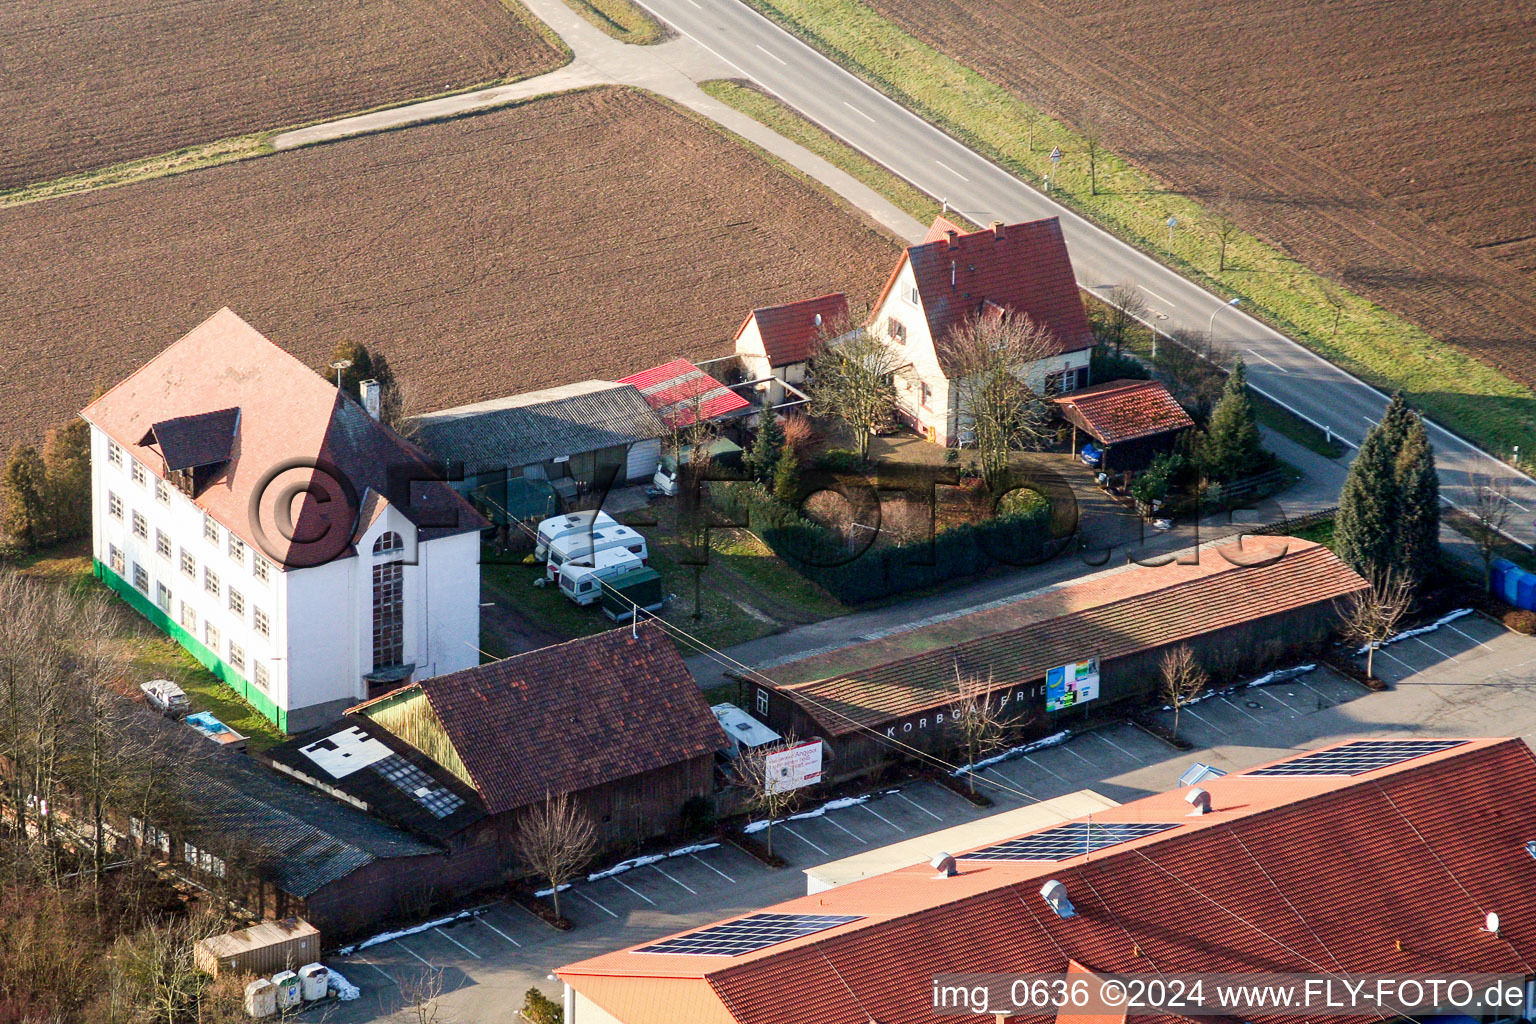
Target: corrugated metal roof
x=674, y=389
x=539, y=426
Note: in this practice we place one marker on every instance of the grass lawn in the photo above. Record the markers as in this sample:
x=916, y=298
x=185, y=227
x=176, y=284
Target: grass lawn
x=1287, y=424
x=763, y=108
x=1321, y=533
x=621, y=19
x=1459, y=392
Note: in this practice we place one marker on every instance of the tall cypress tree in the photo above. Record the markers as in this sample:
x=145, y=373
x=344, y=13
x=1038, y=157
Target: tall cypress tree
x=23, y=498
x=1230, y=448
x=1417, y=535
x=1363, y=529
x=763, y=459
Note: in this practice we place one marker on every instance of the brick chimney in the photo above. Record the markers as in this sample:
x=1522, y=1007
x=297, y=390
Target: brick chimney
x=954, y=239
x=997, y=230
x=369, y=391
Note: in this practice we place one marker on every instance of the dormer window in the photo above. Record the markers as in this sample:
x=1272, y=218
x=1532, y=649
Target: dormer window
x=195, y=448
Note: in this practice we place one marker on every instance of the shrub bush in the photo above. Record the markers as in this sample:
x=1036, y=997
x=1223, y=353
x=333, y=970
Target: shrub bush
x=840, y=460
x=1521, y=621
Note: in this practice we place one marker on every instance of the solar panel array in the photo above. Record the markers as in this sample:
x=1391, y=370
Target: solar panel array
x=418, y=785
x=1356, y=758
x=747, y=935
x=1070, y=840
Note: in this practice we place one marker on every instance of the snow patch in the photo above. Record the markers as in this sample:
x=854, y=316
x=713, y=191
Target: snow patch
x=1448, y=617
x=387, y=936
x=636, y=862
x=1280, y=675
x=1055, y=739
x=339, y=986
x=830, y=805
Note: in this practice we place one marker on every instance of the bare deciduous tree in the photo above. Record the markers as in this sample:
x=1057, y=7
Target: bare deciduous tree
x=853, y=375
x=1490, y=510
x=768, y=789
x=556, y=840
x=976, y=720
x=1127, y=306
x=1182, y=680
x=421, y=994
x=988, y=359
x=1370, y=616
x=1336, y=298
x=1093, y=142
x=1223, y=229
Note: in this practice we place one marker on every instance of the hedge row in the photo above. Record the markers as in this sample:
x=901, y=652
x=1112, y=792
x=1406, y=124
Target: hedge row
x=876, y=571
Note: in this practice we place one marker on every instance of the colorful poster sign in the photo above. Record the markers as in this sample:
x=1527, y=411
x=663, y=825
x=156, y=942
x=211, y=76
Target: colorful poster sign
x=793, y=767
x=1071, y=685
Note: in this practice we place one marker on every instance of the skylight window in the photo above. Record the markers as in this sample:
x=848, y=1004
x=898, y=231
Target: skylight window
x=1355, y=758
x=748, y=935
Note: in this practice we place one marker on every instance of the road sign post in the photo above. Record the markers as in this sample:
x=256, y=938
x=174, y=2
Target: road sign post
x=1173, y=222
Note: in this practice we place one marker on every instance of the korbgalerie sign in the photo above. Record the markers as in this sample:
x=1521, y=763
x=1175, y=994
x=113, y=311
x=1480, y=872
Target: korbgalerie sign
x=1071, y=685
x=794, y=767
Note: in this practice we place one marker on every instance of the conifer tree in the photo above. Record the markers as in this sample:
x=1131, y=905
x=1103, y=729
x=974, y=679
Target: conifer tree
x=1417, y=535
x=764, y=457
x=786, y=476
x=1230, y=448
x=1362, y=529
x=23, y=498
x=67, y=469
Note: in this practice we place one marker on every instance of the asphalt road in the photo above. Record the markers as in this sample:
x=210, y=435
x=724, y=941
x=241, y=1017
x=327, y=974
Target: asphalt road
x=942, y=167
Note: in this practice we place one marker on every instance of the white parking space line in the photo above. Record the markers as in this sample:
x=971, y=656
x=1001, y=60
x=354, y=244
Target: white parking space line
x=882, y=817
x=1386, y=653
x=951, y=170
x=861, y=113
x=804, y=840
x=775, y=56
x=1279, y=698
x=711, y=867
x=594, y=902
x=1426, y=643
x=920, y=807
x=828, y=819
x=498, y=931
x=1207, y=721
x=667, y=876
x=1105, y=739
x=456, y=942
x=1043, y=768
x=381, y=970
x=1268, y=360
x=1320, y=693
x=1075, y=754
x=1238, y=708
x=1469, y=636
x=411, y=951
x=637, y=892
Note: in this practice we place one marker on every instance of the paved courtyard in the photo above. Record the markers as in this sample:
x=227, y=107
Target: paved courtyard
x=1468, y=678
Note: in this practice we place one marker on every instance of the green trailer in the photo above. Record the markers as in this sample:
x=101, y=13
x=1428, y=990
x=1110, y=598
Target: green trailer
x=641, y=587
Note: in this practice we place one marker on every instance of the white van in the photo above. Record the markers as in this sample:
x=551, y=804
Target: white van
x=555, y=527
x=583, y=583
x=580, y=547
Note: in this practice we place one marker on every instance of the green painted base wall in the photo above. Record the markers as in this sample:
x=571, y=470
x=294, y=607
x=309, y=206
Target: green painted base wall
x=171, y=628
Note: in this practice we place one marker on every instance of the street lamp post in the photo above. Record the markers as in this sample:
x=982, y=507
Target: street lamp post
x=1210, y=329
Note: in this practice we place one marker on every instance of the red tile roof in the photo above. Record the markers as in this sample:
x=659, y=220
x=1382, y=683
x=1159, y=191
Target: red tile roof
x=1123, y=410
x=790, y=332
x=674, y=388
x=1108, y=615
x=940, y=229
x=1386, y=872
x=1021, y=267
x=572, y=716
x=285, y=412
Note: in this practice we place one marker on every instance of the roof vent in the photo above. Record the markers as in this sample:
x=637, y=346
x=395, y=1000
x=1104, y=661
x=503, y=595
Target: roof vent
x=944, y=864
x=997, y=230
x=818, y=319
x=1530, y=847
x=954, y=239
x=1055, y=895
x=1200, y=800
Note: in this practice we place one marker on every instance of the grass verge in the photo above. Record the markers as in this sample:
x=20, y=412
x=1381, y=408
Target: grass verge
x=1459, y=392
x=621, y=19
x=1287, y=424
x=766, y=110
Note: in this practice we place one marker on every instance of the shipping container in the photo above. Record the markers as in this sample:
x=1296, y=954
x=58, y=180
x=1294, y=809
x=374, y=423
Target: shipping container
x=266, y=948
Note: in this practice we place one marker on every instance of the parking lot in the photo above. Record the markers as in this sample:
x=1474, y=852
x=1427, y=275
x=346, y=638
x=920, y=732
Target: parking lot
x=1470, y=677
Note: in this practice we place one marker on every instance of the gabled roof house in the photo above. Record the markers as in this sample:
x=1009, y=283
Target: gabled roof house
x=778, y=341
x=1004, y=270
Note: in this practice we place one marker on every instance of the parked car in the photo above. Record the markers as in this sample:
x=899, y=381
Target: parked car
x=584, y=583
x=166, y=697
x=568, y=525
x=721, y=450
x=580, y=547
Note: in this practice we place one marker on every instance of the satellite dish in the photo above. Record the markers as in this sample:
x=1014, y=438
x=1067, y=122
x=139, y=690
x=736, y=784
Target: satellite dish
x=1492, y=923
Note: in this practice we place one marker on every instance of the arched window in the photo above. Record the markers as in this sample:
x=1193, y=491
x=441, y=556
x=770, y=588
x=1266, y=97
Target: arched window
x=388, y=603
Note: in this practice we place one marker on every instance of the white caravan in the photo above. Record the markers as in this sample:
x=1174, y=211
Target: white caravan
x=583, y=583
x=580, y=547
x=555, y=527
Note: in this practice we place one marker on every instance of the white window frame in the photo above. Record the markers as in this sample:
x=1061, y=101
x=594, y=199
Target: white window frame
x=140, y=525
x=139, y=570
x=163, y=544
x=236, y=602
x=211, y=582
x=114, y=453
x=136, y=471
x=188, y=564
x=114, y=505
x=210, y=529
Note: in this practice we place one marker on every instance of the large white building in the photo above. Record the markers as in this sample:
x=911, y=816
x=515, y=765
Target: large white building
x=272, y=527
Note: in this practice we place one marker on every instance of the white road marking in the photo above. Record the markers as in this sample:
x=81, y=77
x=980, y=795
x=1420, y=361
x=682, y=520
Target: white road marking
x=1369, y=420
x=670, y=878
x=381, y=970
x=594, y=902
x=1268, y=360
x=1207, y=721
x=1400, y=661
x=632, y=889
x=920, y=807
x=951, y=170
x=1075, y=754
x=498, y=931
x=1159, y=298
x=861, y=113
x=711, y=867
x=1239, y=709
x=696, y=4
x=411, y=951
x=1469, y=636
x=1043, y=768
x=804, y=840
x=456, y=942
x=1426, y=643
x=1117, y=746
x=882, y=817
x=775, y=56
x=850, y=831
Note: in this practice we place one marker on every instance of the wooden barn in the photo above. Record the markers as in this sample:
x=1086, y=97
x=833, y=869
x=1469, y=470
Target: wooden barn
x=1064, y=652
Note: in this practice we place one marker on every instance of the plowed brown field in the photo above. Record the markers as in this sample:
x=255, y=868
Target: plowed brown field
x=88, y=83
x=577, y=236
x=1391, y=143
